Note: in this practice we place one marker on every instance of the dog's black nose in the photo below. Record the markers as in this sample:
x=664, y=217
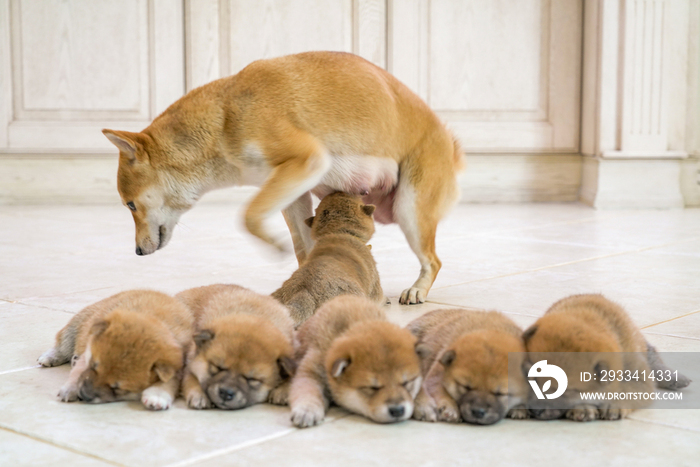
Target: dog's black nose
x=139, y=251
x=226, y=394
x=478, y=412
x=397, y=411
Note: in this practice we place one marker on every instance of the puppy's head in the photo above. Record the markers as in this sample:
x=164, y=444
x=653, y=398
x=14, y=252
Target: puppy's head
x=154, y=195
x=575, y=346
x=476, y=375
x=342, y=213
x=240, y=359
x=373, y=370
x=127, y=352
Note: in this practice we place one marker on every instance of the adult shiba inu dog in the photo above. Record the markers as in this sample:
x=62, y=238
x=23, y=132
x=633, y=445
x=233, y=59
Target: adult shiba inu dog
x=340, y=262
x=244, y=352
x=595, y=335
x=129, y=346
x=464, y=360
x=352, y=356
x=316, y=122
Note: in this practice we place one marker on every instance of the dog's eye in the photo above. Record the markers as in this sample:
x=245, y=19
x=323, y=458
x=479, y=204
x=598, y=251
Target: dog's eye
x=500, y=393
x=253, y=383
x=214, y=369
x=369, y=391
x=466, y=387
x=131, y=205
x=408, y=385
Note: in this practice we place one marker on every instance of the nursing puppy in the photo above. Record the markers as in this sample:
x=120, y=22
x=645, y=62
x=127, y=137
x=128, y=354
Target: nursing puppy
x=315, y=122
x=244, y=351
x=352, y=356
x=340, y=262
x=601, y=330
x=125, y=347
x=464, y=360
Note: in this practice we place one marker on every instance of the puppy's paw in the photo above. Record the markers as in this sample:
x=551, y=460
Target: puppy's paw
x=197, y=400
x=68, y=393
x=307, y=414
x=154, y=398
x=449, y=412
x=51, y=358
x=611, y=413
x=425, y=410
x=279, y=395
x=412, y=296
x=582, y=413
x=518, y=413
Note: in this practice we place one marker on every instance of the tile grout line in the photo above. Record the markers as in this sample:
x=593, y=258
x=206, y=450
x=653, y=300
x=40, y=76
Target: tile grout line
x=60, y=446
x=668, y=425
x=672, y=335
x=6, y=372
x=669, y=320
x=238, y=447
x=592, y=258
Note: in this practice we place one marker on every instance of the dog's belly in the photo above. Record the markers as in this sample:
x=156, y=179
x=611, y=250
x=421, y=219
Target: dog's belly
x=373, y=178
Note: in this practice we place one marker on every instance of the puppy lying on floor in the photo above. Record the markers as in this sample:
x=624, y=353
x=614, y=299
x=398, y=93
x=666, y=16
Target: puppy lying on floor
x=244, y=348
x=352, y=356
x=340, y=262
x=464, y=360
x=125, y=347
x=595, y=332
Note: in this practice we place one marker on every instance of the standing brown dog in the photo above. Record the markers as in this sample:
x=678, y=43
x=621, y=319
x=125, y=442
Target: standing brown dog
x=315, y=122
x=340, y=262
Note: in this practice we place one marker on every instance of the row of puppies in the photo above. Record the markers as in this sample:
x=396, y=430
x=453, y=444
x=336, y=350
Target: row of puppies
x=448, y=365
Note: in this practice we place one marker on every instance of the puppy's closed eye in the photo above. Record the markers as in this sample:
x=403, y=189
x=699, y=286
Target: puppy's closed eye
x=214, y=369
x=369, y=391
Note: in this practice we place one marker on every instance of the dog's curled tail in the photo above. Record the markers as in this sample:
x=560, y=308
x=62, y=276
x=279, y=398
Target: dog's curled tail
x=656, y=363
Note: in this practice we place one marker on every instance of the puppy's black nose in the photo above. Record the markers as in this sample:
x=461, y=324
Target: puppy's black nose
x=139, y=251
x=226, y=394
x=478, y=412
x=397, y=411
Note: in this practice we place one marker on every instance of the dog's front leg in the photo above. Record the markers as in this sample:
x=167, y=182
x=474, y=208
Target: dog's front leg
x=295, y=214
x=160, y=396
x=298, y=165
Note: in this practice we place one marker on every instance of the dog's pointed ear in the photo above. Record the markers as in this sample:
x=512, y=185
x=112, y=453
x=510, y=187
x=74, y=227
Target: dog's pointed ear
x=98, y=328
x=128, y=143
x=202, y=338
x=287, y=366
x=529, y=332
x=369, y=209
x=447, y=358
x=309, y=221
x=339, y=366
x=165, y=371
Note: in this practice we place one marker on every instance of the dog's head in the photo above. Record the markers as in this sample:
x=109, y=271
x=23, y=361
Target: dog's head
x=342, y=213
x=476, y=375
x=576, y=346
x=240, y=359
x=373, y=370
x=154, y=194
x=127, y=352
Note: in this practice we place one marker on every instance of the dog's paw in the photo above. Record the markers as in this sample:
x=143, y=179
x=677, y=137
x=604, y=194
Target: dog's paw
x=68, y=393
x=412, y=296
x=425, y=412
x=611, y=413
x=582, y=413
x=197, y=400
x=279, y=395
x=307, y=414
x=155, y=398
x=449, y=412
x=51, y=358
x=519, y=413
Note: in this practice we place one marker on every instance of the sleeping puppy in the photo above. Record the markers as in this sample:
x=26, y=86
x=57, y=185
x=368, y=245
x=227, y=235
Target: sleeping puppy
x=340, y=262
x=597, y=336
x=352, y=356
x=244, y=348
x=126, y=347
x=464, y=359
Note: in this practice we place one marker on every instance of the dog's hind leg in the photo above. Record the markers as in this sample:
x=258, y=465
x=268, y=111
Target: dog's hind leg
x=295, y=214
x=63, y=351
x=299, y=162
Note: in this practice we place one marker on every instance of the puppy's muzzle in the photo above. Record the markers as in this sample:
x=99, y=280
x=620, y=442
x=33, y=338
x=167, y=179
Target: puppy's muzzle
x=396, y=411
x=481, y=408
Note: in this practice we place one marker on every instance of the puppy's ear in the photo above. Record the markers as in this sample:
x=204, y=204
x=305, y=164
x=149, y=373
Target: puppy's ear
x=339, y=366
x=309, y=221
x=447, y=358
x=125, y=141
x=287, y=367
x=422, y=350
x=98, y=328
x=202, y=338
x=164, y=371
x=369, y=209
x=529, y=332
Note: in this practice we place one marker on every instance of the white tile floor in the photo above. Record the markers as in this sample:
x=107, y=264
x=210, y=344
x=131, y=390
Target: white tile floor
x=517, y=259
